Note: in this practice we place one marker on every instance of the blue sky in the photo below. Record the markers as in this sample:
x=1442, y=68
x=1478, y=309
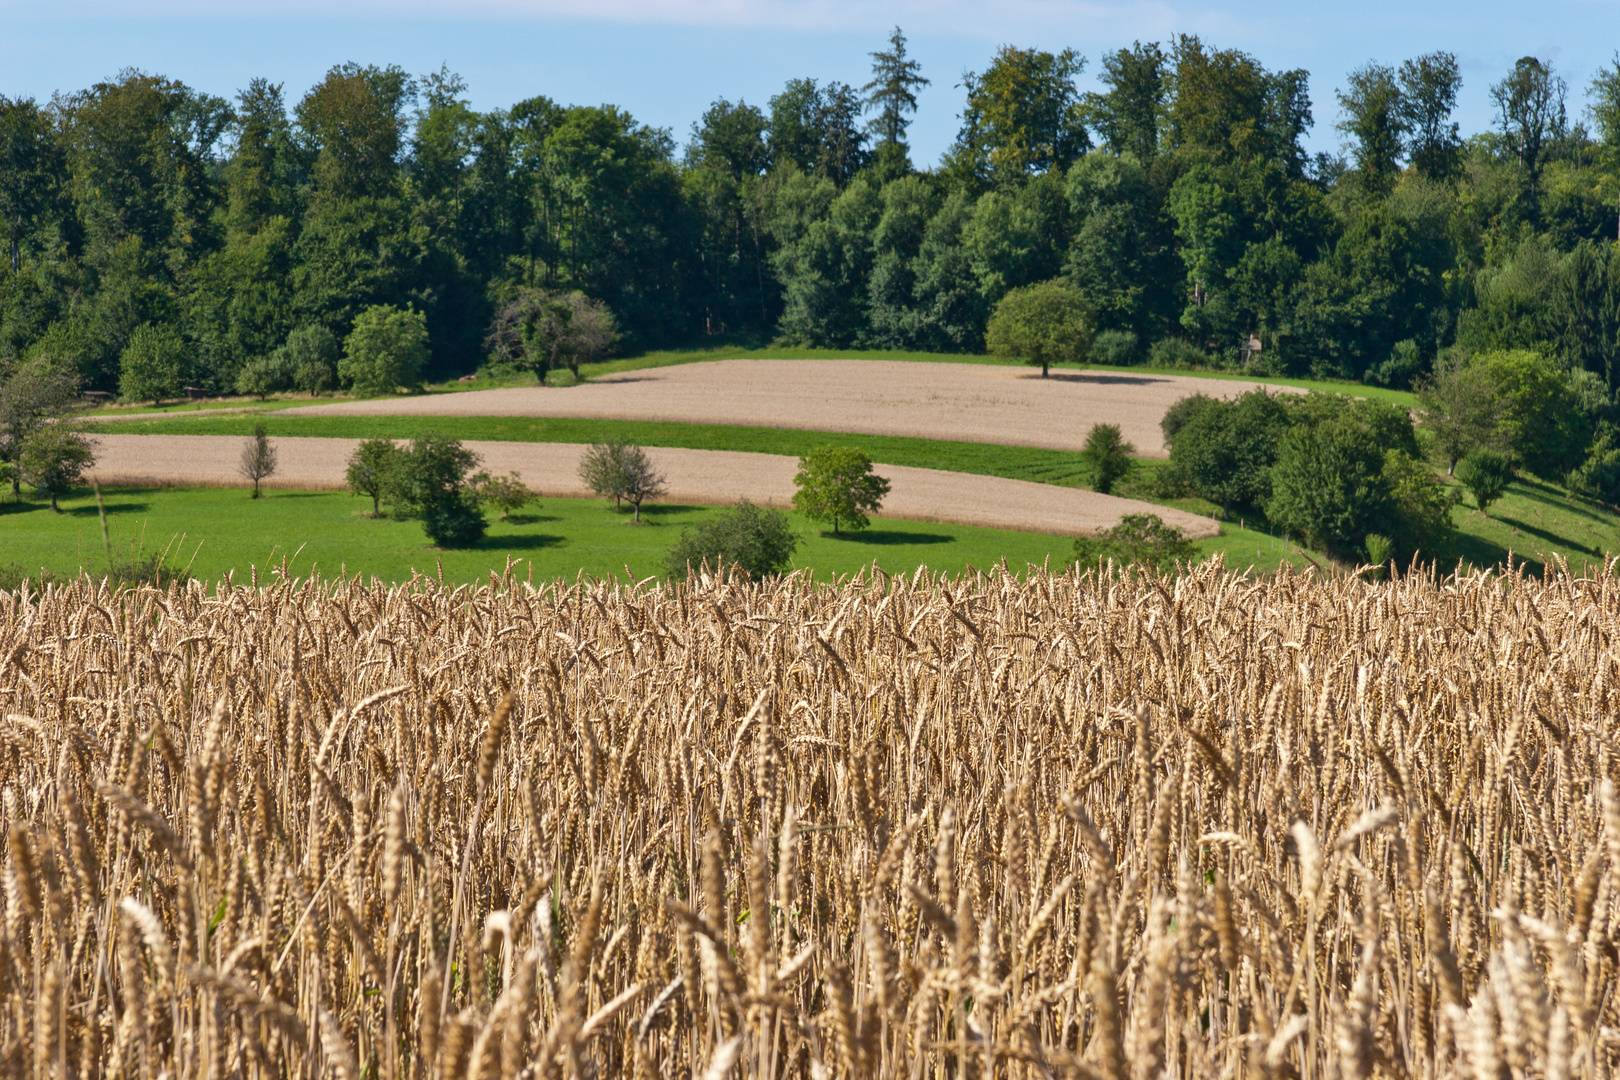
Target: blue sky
x=665, y=60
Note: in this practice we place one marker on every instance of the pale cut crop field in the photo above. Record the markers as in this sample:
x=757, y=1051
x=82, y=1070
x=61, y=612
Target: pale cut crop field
x=1010, y=406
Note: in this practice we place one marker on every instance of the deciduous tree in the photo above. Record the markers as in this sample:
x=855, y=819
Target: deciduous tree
x=153, y=365
x=836, y=484
x=386, y=350
x=372, y=470
x=54, y=459
x=1042, y=324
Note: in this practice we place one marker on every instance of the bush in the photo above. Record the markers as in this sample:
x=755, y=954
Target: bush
x=12, y=576
x=1379, y=548
x=1422, y=504
x=1176, y=416
x=1540, y=422
x=755, y=538
x=561, y=378
x=153, y=365
x=1108, y=456
x=1224, y=450
x=1338, y=480
x=836, y=484
x=1138, y=540
x=546, y=332
x=1485, y=473
x=453, y=520
x=1042, y=324
x=1327, y=485
x=387, y=349
x=1404, y=366
x=1116, y=348
x=1176, y=353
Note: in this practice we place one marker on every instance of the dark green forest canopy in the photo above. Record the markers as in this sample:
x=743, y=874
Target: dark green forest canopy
x=1178, y=201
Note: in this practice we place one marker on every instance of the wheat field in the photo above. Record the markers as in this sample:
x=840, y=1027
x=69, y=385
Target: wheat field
x=1084, y=825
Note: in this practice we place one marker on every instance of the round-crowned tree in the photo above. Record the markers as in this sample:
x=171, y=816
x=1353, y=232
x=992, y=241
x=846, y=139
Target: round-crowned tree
x=1045, y=324
x=836, y=485
x=153, y=365
x=386, y=350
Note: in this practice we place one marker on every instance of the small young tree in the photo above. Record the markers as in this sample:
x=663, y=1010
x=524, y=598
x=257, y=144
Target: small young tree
x=311, y=353
x=622, y=471
x=1485, y=473
x=1138, y=540
x=54, y=459
x=505, y=493
x=371, y=470
x=1108, y=456
x=387, y=349
x=755, y=538
x=540, y=331
x=836, y=484
x=1042, y=324
x=258, y=457
x=153, y=364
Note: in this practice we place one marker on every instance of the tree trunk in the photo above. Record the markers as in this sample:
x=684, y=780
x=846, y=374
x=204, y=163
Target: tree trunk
x=1043, y=369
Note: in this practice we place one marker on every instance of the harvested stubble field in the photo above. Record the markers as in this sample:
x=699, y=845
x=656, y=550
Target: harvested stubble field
x=1211, y=827
x=1010, y=406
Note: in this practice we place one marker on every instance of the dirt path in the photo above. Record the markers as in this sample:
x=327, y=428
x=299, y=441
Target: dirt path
x=971, y=402
x=695, y=476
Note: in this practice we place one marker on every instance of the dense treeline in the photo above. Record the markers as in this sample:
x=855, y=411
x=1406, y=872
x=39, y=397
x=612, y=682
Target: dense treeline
x=152, y=224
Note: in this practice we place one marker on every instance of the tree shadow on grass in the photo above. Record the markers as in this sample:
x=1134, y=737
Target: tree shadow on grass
x=527, y=519
x=654, y=513
x=113, y=509
x=1572, y=505
x=521, y=542
x=1550, y=537
x=890, y=537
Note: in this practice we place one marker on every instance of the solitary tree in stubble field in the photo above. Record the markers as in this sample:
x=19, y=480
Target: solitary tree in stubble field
x=836, y=484
x=1042, y=324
